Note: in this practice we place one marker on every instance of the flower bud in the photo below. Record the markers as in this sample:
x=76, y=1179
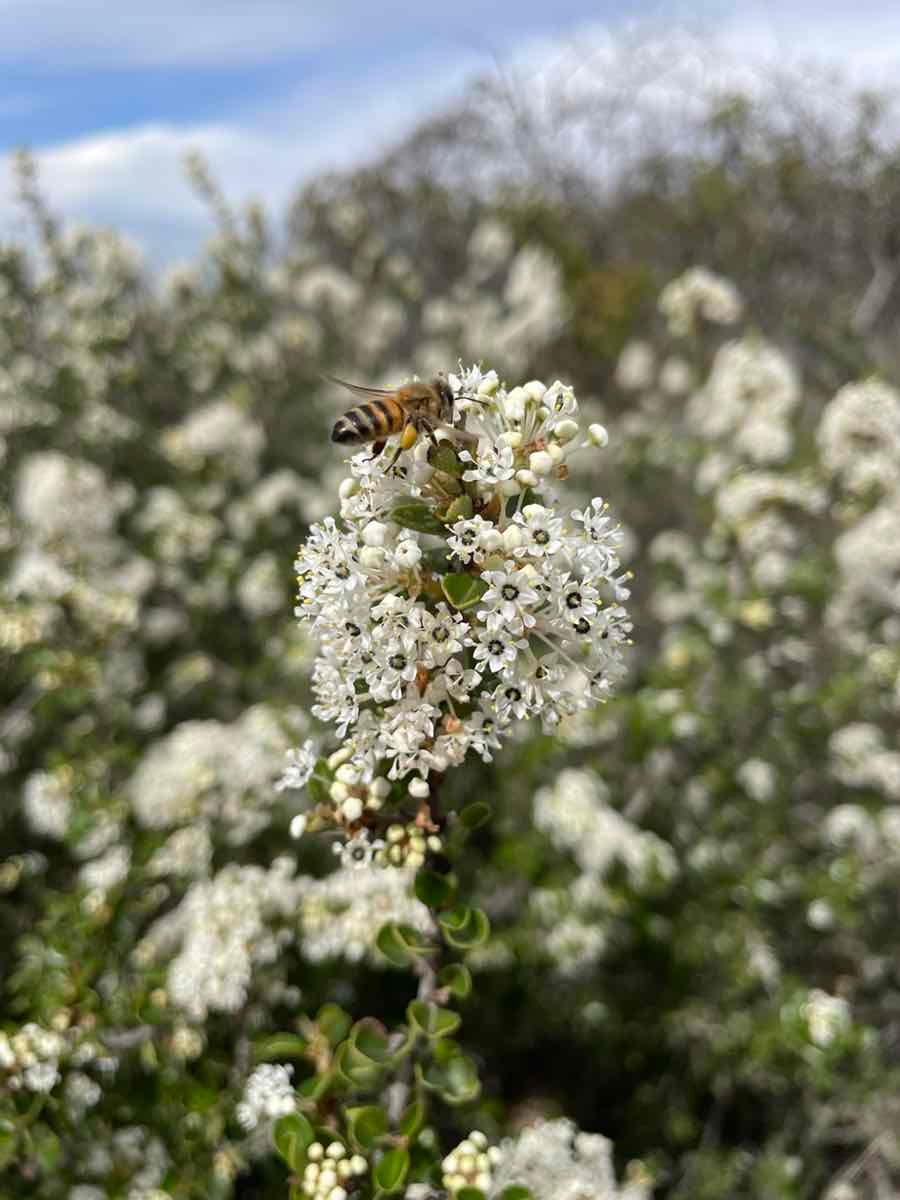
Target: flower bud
x=371, y=556
x=489, y=384
x=352, y=808
x=339, y=756
x=526, y=478
x=380, y=787
x=540, y=462
x=597, y=435
x=375, y=534
x=556, y=452
x=513, y=537
x=512, y=438
x=338, y=792
x=419, y=789
x=535, y=390
x=298, y=825
x=514, y=404
x=347, y=773
x=565, y=431
x=349, y=487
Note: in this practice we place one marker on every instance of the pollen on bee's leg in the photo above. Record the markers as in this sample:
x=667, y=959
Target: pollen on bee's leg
x=408, y=437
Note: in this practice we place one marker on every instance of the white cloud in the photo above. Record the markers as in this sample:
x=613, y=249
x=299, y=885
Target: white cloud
x=218, y=33
x=133, y=179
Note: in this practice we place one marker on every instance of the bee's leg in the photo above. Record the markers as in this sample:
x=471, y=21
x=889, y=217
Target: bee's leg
x=377, y=448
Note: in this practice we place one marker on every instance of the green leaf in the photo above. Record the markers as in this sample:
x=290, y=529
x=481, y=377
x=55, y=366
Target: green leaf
x=292, y=1135
x=334, y=1023
x=366, y=1124
x=434, y=890
x=413, y=1118
x=455, y=1080
x=460, y=509
x=456, y=979
x=46, y=1146
x=8, y=1144
x=279, y=1045
x=432, y=1021
x=370, y=1039
x=462, y=591
x=469, y=1193
x=473, y=816
x=352, y=1068
x=515, y=1192
x=417, y=516
x=400, y=944
x=465, y=928
x=390, y=1171
x=443, y=457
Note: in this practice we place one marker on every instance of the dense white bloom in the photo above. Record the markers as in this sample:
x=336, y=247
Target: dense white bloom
x=47, y=803
x=748, y=400
x=636, y=367
x=225, y=773
x=827, y=1017
x=268, y=1094
x=445, y=608
x=699, y=293
x=555, y=1161
x=220, y=931
x=860, y=758
x=859, y=436
x=575, y=815
x=221, y=434
x=340, y=915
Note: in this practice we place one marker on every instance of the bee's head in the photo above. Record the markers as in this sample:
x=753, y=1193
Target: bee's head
x=446, y=394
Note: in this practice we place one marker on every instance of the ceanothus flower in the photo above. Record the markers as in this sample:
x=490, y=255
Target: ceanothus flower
x=453, y=599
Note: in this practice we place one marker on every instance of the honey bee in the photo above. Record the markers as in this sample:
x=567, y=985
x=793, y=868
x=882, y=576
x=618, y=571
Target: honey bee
x=408, y=410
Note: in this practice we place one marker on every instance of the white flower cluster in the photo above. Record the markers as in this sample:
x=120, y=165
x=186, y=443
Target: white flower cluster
x=637, y=370
x=699, y=292
x=455, y=600
x=207, y=769
x=220, y=932
x=330, y=1171
x=471, y=1164
x=859, y=437
x=219, y=434
x=341, y=914
x=827, y=1017
x=860, y=758
x=555, y=1161
x=268, y=1094
x=575, y=814
x=748, y=401
x=33, y=1059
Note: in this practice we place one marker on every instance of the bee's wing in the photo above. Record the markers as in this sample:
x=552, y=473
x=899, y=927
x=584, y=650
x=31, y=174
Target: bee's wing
x=359, y=389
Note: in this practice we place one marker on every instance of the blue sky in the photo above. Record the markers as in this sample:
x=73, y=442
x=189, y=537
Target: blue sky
x=110, y=94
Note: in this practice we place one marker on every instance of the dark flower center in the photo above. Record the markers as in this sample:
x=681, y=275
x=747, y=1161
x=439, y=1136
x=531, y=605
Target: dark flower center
x=397, y=662
x=542, y=537
x=509, y=591
x=573, y=599
x=495, y=646
x=513, y=694
x=582, y=626
x=342, y=571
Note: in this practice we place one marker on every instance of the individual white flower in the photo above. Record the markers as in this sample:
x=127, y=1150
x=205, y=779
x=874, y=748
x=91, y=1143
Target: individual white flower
x=509, y=599
x=301, y=764
x=490, y=467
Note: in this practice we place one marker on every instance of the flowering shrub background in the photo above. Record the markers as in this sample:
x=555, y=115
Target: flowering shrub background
x=690, y=890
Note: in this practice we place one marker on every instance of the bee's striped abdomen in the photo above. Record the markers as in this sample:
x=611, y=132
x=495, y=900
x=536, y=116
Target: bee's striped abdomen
x=369, y=422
